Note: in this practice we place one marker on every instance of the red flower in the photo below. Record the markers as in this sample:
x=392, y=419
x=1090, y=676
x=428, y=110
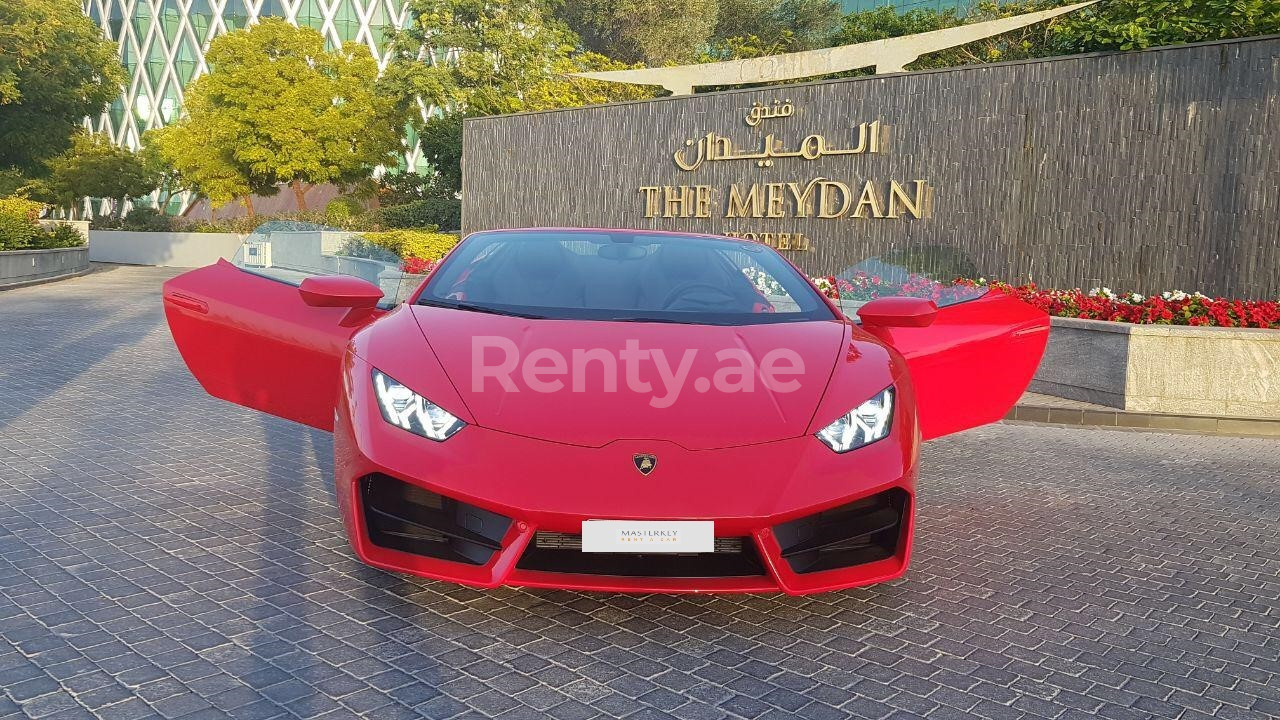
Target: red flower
x=417, y=266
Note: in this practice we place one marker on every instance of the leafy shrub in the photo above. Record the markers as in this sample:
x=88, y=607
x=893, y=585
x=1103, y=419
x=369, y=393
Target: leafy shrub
x=139, y=219
x=439, y=212
x=19, y=228
x=343, y=209
x=422, y=244
x=358, y=246
x=63, y=236
x=337, y=219
x=241, y=225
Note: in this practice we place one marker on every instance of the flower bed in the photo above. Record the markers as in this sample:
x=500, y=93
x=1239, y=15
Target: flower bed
x=1169, y=308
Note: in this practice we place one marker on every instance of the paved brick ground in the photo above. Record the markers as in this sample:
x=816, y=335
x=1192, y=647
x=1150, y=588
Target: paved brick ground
x=163, y=554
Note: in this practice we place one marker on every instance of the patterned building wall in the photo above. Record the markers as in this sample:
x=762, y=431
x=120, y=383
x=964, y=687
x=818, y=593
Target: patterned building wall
x=162, y=44
x=1145, y=171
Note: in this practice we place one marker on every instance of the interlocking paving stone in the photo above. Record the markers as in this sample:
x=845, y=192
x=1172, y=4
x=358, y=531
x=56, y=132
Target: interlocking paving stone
x=167, y=555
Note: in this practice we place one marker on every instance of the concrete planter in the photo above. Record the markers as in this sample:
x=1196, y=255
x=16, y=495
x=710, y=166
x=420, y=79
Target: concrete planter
x=22, y=267
x=165, y=249
x=1222, y=372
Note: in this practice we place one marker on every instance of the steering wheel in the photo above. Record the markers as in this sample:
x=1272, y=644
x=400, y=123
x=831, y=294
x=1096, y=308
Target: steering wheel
x=720, y=296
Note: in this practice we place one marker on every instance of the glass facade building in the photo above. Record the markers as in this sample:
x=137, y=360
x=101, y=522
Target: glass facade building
x=162, y=44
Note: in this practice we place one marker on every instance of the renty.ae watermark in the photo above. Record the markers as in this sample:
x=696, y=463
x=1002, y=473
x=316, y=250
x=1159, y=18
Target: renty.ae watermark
x=497, y=361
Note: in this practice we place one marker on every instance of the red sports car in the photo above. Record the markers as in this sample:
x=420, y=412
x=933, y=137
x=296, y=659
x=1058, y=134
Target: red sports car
x=614, y=410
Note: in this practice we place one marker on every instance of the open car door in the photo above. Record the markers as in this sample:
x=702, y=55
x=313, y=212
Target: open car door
x=268, y=330
x=972, y=363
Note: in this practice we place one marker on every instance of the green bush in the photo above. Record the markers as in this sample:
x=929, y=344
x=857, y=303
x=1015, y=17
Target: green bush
x=441, y=212
x=413, y=243
x=343, y=209
x=242, y=225
x=139, y=219
x=63, y=236
x=19, y=226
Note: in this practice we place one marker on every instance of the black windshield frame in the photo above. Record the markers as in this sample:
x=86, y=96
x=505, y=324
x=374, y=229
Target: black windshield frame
x=809, y=304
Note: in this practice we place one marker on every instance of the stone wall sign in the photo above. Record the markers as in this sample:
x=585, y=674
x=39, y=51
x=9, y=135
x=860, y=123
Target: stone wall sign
x=1147, y=171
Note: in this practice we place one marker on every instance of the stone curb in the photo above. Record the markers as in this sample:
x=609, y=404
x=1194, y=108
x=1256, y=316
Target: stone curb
x=1123, y=420
x=42, y=281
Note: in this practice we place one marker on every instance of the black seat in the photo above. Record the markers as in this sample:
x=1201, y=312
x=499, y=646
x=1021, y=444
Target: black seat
x=677, y=265
x=612, y=283
x=537, y=273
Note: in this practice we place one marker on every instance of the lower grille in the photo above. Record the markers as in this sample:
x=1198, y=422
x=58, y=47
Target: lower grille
x=562, y=553
x=854, y=534
x=411, y=519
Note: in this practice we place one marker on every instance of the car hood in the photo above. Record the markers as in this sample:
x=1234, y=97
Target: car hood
x=471, y=346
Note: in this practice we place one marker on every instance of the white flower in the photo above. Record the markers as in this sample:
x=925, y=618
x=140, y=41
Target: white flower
x=1135, y=298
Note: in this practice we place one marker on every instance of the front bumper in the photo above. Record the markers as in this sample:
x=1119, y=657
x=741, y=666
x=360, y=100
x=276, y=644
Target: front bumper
x=527, y=498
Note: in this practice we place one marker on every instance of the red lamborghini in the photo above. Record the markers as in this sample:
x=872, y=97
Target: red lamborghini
x=612, y=410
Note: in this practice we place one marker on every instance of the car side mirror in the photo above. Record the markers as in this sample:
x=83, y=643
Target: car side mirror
x=892, y=312
x=339, y=291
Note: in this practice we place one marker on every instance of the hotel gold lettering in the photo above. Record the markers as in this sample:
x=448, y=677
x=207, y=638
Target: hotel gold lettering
x=818, y=198
x=824, y=198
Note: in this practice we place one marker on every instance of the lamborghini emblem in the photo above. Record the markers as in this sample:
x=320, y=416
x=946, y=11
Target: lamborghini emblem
x=645, y=463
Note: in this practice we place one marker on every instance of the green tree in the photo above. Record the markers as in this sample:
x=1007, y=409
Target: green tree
x=512, y=58
x=277, y=108
x=95, y=167
x=1112, y=25
x=169, y=181
x=441, y=142
x=652, y=32
x=1137, y=24
x=752, y=28
x=55, y=69
x=1036, y=40
x=201, y=155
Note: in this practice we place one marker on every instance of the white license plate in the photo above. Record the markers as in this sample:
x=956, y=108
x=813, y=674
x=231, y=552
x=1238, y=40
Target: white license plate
x=648, y=536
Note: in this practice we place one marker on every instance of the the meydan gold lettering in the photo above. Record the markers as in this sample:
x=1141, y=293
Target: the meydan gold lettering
x=713, y=147
x=775, y=205
x=918, y=207
x=744, y=206
x=702, y=201
x=760, y=113
x=677, y=201
x=650, y=200
x=868, y=199
x=824, y=194
x=803, y=199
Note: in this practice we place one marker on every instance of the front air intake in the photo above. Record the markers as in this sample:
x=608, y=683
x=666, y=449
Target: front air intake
x=854, y=534
x=562, y=553
x=411, y=519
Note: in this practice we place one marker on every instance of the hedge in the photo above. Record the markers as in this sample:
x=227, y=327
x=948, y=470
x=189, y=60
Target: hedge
x=440, y=212
x=20, y=228
x=413, y=243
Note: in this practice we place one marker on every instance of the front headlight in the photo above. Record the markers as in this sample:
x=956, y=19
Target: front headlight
x=863, y=425
x=407, y=409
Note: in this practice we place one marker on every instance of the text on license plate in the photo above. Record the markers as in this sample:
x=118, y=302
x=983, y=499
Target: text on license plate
x=648, y=536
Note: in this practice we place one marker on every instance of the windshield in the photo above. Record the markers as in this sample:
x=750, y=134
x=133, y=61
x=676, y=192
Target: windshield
x=623, y=276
